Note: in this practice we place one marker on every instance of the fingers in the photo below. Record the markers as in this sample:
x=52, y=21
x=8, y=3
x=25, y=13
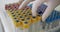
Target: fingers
x=36, y=4
x=24, y=4
x=48, y=11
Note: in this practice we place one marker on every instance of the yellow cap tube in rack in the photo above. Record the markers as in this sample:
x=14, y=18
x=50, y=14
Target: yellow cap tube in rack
x=34, y=19
x=26, y=23
x=23, y=18
x=17, y=23
x=39, y=18
x=37, y=24
x=28, y=10
x=22, y=21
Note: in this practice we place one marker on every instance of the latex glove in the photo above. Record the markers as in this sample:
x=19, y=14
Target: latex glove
x=24, y=4
x=20, y=1
x=52, y=4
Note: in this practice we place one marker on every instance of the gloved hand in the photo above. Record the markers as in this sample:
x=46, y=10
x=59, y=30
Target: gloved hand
x=52, y=4
x=24, y=4
x=20, y=1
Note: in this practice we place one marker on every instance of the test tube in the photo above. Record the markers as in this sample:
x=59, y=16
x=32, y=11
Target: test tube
x=21, y=27
x=25, y=15
x=27, y=19
x=9, y=7
x=30, y=15
x=37, y=25
x=16, y=13
x=22, y=21
x=10, y=10
x=18, y=25
x=28, y=10
x=27, y=24
x=11, y=15
x=39, y=18
x=16, y=22
x=26, y=27
x=20, y=11
x=30, y=26
x=19, y=18
x=34, y=19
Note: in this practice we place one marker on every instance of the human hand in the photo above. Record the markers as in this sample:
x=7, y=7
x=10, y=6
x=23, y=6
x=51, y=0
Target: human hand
x=52, y=4
x=24, y=4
